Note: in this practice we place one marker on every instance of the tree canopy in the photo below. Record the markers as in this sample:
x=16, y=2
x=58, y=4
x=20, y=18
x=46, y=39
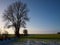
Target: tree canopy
x=16, y=16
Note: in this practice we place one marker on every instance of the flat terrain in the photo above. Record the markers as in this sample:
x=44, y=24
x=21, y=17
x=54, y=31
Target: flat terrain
x=32, y=39
x=38, y=42
x=36, y=36
x=32, y=42
x=43, y=36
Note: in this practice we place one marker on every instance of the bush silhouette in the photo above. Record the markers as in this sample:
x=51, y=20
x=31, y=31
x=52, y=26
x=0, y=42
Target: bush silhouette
x=25, y=32
x=5, y=35
x=58, y=33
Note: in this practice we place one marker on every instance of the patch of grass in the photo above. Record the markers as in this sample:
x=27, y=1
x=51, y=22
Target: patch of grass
x=35, y=36
x=45, y=36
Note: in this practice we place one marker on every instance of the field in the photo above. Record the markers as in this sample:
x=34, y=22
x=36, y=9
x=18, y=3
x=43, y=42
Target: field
x=39, y=39
x=36, y=36
x=43, y=36
x=32, y=39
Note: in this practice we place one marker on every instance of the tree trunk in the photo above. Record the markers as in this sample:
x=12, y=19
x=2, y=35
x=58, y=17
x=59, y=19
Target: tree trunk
x=17, y=31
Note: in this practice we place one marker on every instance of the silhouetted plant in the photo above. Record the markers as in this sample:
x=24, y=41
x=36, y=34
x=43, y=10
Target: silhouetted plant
x=0, y=35
x=58, y=32
x=0, y=32
x=25, y=32
x=5, y=35
x=16, y=16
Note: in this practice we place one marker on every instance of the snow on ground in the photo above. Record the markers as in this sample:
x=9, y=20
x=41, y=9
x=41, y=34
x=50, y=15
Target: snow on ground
x=29, y=42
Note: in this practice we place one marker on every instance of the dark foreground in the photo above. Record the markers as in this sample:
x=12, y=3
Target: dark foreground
x=31, y=42
x=45, y=39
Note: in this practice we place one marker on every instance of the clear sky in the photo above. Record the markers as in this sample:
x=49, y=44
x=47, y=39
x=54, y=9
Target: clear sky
x=44, y=15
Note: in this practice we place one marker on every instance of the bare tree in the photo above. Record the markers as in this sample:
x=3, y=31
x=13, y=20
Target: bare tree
x=16, y=16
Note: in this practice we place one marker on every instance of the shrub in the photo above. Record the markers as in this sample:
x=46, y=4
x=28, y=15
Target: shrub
x=25, y=32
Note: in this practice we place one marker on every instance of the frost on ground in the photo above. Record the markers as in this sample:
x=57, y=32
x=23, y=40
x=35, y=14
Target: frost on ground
x=32, y=42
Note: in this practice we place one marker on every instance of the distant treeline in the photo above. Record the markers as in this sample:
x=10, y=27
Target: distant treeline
x=58, y=33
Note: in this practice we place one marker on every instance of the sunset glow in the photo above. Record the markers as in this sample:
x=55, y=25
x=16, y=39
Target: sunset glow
x=44, y=16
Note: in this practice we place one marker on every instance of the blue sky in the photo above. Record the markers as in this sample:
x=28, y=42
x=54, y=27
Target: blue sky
x=44, y=15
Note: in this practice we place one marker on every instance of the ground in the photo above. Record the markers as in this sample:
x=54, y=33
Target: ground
x=33, y=39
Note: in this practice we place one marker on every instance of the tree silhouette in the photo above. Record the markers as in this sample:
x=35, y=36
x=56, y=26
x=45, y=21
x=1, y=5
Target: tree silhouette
x=25, y=32
x=16, y=16
x=58, y=33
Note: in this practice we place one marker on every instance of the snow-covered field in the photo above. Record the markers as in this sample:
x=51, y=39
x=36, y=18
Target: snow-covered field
x=31, y=42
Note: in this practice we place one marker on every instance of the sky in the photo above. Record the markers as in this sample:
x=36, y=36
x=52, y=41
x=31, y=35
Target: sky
x=44, y=16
